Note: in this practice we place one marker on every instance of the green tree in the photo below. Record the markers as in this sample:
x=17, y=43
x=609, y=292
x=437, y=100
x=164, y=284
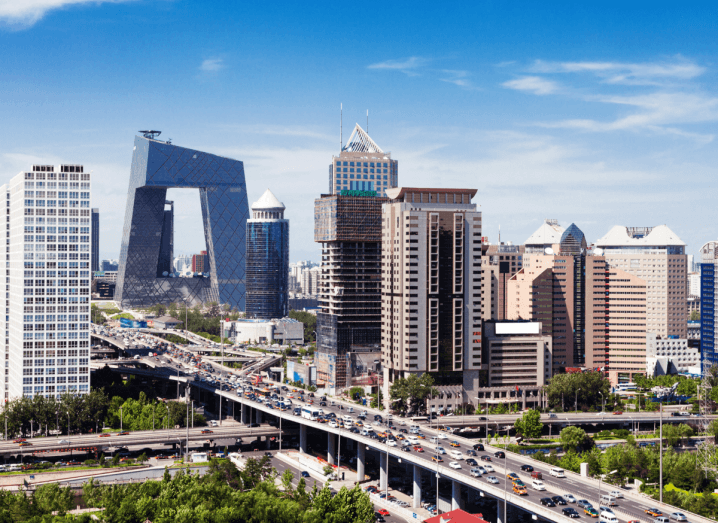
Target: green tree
x=287, y=478
x=409, y=394
x=573, y=437
x=529, y=425
x=583, y=386
x=695, y=316
x=310, y=324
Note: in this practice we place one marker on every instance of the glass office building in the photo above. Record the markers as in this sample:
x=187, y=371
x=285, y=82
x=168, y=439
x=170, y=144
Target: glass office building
x=267, y=259
x=156, y=167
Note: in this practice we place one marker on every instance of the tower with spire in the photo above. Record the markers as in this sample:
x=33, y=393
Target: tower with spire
x=362, y=166
x=267, y=274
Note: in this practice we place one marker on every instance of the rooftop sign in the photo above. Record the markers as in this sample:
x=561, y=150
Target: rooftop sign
x=368, y=194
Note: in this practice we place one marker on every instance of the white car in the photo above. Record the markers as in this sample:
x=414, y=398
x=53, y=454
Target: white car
x=441, y=435
x=64, y=442
x=482, y=469
x=333, y=424
x=440, y=450
x=538, y=485
x=475, y=472
x=489, y=468
x=455, y=465
x=616, y=493
x=492, y=479
x=456, y=454
x=569, y=498
x=391, y=443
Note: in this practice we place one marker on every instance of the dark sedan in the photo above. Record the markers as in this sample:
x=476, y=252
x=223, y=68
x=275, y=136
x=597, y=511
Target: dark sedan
x=548, y=502
x=558, y=500
x=570, y=512
x=527, y=468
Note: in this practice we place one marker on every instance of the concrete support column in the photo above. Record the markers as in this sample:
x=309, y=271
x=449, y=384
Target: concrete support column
x=269, y=442
x=258, y=416
x=416, y=502
x=500, y=514
x=361, y=458
x=523, y=396
x=331, y=448
x=245, y=414
x=383, y=471
x=303, y=438
x=455, y=495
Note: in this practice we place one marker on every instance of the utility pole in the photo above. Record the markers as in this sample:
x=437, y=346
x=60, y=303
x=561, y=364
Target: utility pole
x=660, y=477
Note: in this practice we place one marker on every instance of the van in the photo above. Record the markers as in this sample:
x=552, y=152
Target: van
x=607, y=499
x=558, y=473
x=347, y=420
x=413, y=440
x=609, y=517
x=414, y=429
x=536, y=475
x=662, y=519
x=434, y=440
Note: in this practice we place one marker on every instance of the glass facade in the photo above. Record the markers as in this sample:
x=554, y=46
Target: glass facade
x=267, y=268
x=95, y=258
x=157, y=166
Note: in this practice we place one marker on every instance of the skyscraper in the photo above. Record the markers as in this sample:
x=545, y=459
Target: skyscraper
x=48, y=254
x=431, y=287
x=95, y=262
x=267, y=259
x=156, y=167
x=709, y=291
x=349, y=229
x=362, y=166
x=656, y=255
x=167, y=241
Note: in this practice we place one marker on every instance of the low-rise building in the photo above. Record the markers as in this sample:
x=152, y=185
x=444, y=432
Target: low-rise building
x=516, y=354
x=676, y=350
x=164, y=322
x=301, y=372
x=283, y=331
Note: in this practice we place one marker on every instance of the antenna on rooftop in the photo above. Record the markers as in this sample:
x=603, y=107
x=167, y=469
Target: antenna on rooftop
x=151, y=134
x=367, y=121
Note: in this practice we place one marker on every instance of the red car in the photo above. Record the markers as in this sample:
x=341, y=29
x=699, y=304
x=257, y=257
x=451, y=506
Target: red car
x=105, y=435
x=19, y=440
x=418, y=448
x=206, y=431
x=383, y=512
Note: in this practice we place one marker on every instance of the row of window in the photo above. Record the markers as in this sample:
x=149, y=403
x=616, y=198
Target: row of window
x=53, y=335
x=360, y=164
x=351, y=170
x=359, y=177
x=60, y=389
x=57, y=283
x=55, y=185
x=29, y=229
x=60, y=327
x=60, y=379
x=63, y=195
x=57, y=203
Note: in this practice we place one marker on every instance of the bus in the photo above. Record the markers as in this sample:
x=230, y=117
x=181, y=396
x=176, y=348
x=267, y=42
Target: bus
x=310, y=413
x=626, y=386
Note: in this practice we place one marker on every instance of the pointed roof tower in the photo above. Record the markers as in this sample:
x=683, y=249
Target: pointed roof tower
x=267, y=201
x=573, y=241
x=361, y=142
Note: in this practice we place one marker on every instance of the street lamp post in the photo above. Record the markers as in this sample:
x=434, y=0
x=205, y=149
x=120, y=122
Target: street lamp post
x=120, y=419
x=576, y=405
x=68, y=422
x=599, y=485
x=168, y=422
x=603, y=401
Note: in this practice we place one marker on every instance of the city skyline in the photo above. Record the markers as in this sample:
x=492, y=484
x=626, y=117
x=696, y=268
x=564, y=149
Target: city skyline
x=606, y=120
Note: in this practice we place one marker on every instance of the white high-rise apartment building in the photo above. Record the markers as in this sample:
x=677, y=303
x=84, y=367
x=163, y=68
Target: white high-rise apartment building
x=47, y=282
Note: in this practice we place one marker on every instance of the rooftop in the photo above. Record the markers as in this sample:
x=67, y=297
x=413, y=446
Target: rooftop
x=547, y=235
x=398, y=192
x=659, y=236
x=456, y=516
x=267, y=201
x=361, y=142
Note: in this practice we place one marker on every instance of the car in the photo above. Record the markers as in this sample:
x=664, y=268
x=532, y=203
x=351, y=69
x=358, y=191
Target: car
x=441, y=435
x=485, y=458
x=678, y=516
x=391, y=443
x=548, y=502
x=207, y=431
x=418, y=448
x=499, y=454
x=471, y=461
x=406, y=448
x=123, y=433
x=19, y=440
x=527, y=468
x=653, y=512
x=590, y=512
x=379, y=518
x=383, y=512
x=570, y=512
x=24, y=443
x=305, y=474
x=617, y=494
x=512, y=476
x=617, y=412
x=475, y=472
x=479, y=446
x=520, y=490
x=471, y=453
x=558, y=500
x=437, y=459
x=492, y=479
x=569, y=498
x=455, y=465
x=440, y=450
x=583, y=503
x=420, y=436
x=518, y=483
x=455, y=444
x=489, y=468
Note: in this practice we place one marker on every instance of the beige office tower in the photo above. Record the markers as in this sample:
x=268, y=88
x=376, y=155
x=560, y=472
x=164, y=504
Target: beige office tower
x=431, y=287
x=656, y=255
x=499, y=263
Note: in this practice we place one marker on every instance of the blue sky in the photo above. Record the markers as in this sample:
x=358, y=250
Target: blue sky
x=600, y=116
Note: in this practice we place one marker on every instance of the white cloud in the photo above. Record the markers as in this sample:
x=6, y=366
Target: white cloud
x=211, y=65
x=407, y=66
x=25, y=13
x=647, y=73
x=534, y=84
x=456, y=77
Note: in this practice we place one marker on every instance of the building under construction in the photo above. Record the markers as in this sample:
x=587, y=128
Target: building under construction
x=348, y=225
